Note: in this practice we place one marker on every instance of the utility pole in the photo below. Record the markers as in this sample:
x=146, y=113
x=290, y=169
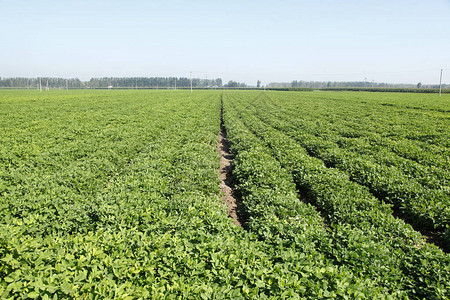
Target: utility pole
x=67, y=85
x=40, y=85
x=46, y=87
x=175, y=83
x=440, y=84
x=191, y=80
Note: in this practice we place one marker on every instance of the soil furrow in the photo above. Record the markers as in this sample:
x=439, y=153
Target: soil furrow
x=229, y=195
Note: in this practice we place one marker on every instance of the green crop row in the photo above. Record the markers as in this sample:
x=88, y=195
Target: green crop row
x=281, y=219
x=383, y=240
x=409, y=132
x=417, y=159
x=424, y=206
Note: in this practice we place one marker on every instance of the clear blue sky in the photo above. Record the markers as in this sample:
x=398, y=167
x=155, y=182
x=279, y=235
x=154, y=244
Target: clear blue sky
x=385, y=41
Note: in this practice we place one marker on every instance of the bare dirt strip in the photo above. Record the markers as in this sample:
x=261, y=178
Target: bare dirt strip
x=229, y=195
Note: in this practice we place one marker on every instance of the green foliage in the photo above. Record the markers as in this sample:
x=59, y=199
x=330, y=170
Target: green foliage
x=114, y=194
x=393, y=167
x=364, y=236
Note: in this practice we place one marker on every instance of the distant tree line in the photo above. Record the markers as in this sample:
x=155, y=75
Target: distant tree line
x=153, y=82
x=51, y=82
x=353, y=84
x=235, y=84
x=184, y=82
x=114, y=82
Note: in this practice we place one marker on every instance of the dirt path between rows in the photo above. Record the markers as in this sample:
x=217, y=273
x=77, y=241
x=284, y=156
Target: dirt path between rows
x=229, y=197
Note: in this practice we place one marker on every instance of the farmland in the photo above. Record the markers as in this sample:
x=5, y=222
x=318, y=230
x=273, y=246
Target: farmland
x=115, y=194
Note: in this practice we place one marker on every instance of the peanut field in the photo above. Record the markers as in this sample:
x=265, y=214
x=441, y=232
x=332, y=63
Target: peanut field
x=115, y=194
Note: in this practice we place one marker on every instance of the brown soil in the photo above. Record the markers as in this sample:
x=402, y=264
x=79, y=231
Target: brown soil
x=229, y=196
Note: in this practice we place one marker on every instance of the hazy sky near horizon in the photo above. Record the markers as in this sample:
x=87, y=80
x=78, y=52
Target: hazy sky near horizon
x=398, y=41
